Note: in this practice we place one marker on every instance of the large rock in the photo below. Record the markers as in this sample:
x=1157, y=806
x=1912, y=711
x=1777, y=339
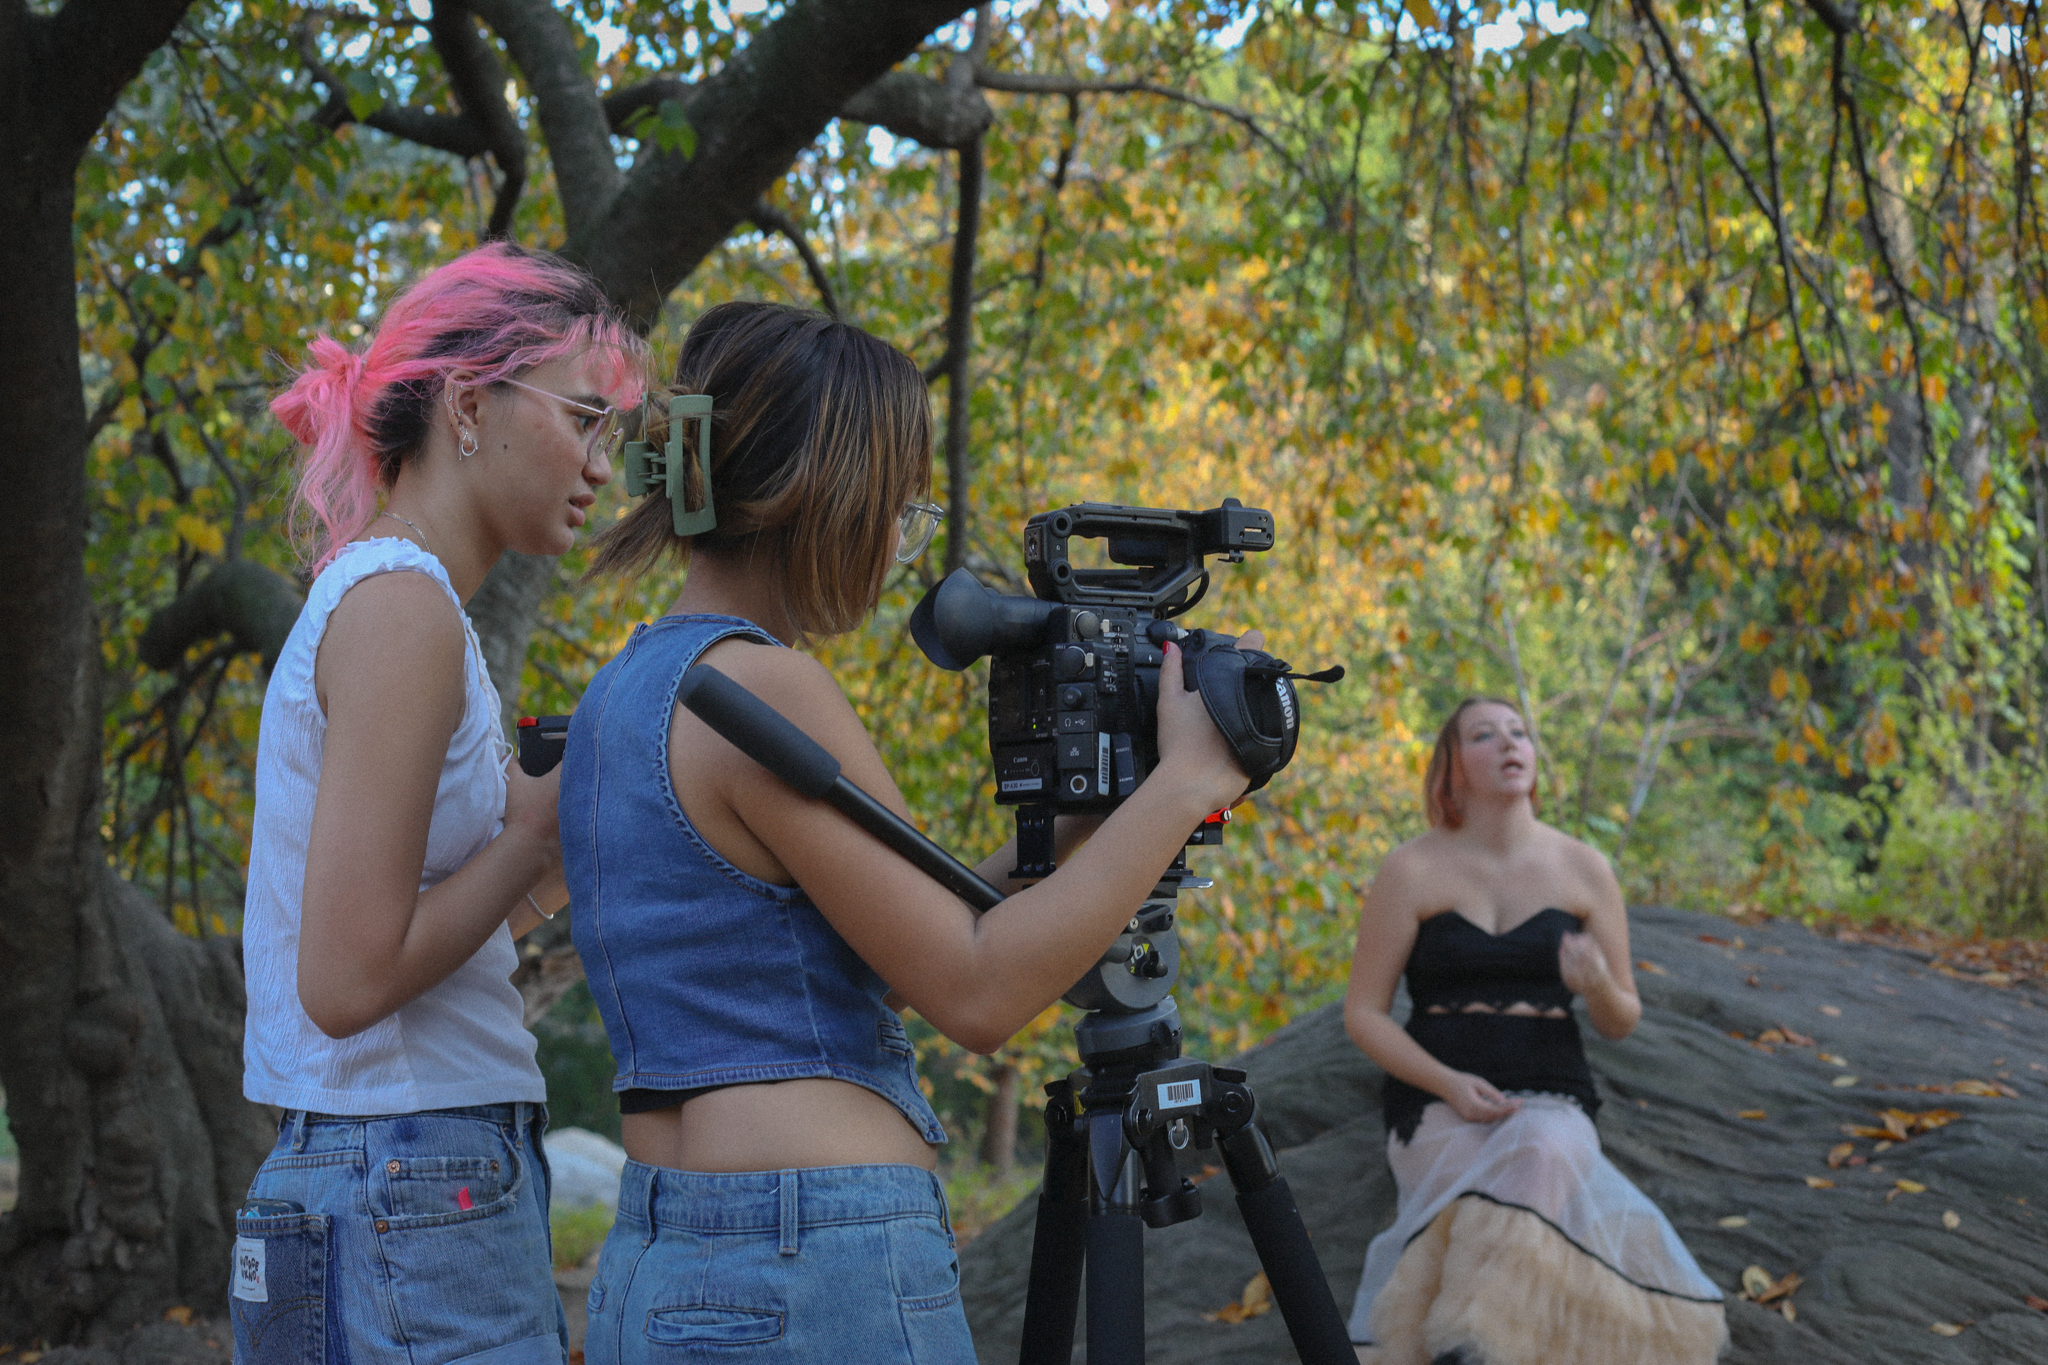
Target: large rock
x=585, y=1168
x=1881, y=1267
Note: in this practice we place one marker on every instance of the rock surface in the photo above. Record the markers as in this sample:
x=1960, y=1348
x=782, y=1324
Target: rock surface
x=1881, y=1266
x=584, y=1167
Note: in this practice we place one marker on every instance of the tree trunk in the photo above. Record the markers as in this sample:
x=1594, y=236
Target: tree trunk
x=119, y=1039
x=505, y=610
x=999, y=1133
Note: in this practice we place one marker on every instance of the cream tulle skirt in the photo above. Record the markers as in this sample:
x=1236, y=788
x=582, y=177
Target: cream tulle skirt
x=1518, y=1243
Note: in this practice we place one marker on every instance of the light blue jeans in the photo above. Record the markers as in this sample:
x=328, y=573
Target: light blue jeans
x=422, y=1240
x=838, y=1265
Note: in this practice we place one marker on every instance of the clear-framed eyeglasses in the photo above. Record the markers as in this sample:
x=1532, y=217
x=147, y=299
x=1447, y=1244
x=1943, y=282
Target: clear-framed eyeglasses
x=603, y=429
x=915, y=528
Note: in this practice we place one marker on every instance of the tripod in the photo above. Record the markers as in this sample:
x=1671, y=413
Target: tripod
x=1113, y=1126
x=1112, y=1129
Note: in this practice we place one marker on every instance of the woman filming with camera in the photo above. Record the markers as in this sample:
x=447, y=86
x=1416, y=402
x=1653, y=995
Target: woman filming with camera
x=741, y=939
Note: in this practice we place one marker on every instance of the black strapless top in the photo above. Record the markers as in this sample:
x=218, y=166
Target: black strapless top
x=1455, y=963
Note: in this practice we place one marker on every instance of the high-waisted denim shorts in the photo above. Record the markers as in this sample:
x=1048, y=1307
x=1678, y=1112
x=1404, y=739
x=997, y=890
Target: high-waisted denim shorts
x=851, y=1265
x=422, y=1240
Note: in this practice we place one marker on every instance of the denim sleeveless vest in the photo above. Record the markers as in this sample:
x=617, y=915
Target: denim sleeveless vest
x=704, y=975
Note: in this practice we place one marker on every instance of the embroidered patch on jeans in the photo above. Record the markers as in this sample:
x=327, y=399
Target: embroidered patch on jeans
x=249, y=1270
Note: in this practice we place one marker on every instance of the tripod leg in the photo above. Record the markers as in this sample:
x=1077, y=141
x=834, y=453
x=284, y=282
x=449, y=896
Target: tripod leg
x=1057, y=1238
x=1116, y=1248
x=1292, y=1268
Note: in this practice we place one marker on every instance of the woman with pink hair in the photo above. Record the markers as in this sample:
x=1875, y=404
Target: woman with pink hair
x=1515, y=1241
x=402, y=1216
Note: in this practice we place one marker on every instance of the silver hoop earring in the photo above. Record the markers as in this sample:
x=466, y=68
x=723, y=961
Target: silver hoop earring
x=468, y=445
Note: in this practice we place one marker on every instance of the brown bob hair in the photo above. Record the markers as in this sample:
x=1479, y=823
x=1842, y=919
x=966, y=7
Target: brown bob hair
x=821, y=434
x=1439, y=800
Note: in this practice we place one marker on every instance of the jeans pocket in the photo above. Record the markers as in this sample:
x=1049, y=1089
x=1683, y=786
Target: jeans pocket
x=712, y=1325
x=283, y=1297
x=461, y=1238
x=923, y=1266
x=422, y=1186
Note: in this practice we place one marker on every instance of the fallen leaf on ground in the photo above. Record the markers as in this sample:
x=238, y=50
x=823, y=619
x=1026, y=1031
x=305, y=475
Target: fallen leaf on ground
x=1951, y=1220
x=1734, y=1220
x=1911, y=1186
x=1795, y=1037
x=180, y=1315
x=1751, y=1114
x=2037, y=1303
x=1645, y=965
x=1257, y=1299
x=1840, y=1153
x=1786, y=1309
x=1990, y=1090
x=1843, y=1082
x=1717, y=942
x=1771, y=1035
x=1819, y=1182
x=1947, y=1329
x=1759, y=1287
x=1831, y=1011
x=1832, y=1060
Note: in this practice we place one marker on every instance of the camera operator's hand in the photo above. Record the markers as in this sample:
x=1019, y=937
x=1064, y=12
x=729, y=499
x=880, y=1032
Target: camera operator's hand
x=1190, y=745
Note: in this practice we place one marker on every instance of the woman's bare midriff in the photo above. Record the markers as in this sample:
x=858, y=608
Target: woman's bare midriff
x=778, y=1126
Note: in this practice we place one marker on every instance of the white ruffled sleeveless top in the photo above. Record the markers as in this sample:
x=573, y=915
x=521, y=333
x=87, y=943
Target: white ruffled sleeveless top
x=461, y=1043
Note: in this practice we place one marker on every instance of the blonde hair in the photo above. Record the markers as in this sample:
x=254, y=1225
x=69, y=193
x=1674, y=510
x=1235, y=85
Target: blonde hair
x=1439, y=798
x=821, y=434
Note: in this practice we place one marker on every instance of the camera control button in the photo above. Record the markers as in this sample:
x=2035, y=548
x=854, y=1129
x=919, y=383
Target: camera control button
x=1087, y=625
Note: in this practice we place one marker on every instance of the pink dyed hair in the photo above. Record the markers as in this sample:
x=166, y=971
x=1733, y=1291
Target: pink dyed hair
x=495, y=312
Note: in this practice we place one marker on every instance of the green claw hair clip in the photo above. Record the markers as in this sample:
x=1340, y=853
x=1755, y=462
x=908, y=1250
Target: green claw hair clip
x=648, y=469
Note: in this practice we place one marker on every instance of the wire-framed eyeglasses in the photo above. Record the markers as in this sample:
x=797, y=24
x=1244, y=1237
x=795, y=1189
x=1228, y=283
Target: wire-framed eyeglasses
x=602, y=429
x=915, y=527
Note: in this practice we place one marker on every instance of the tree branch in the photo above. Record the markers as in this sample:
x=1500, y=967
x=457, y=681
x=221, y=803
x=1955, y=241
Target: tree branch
x=452, y=133
x=932, y=113
x=752, y=119
x=572, y=118
x=771, y=219
x=93, y=49
x=1839, y=15
x=477, y=80
x=1025, y=83
x=959, y=360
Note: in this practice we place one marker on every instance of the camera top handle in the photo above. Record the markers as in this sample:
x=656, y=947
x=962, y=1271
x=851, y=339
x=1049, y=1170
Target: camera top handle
x=763, y=734
x=1164, y=547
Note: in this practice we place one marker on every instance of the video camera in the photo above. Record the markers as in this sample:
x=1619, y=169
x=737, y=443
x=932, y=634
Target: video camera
x=1073, y=686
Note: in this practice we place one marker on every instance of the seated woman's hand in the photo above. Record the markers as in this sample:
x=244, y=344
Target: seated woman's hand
x=1581, y=963
x=1474, y=1099
x=1188, y=738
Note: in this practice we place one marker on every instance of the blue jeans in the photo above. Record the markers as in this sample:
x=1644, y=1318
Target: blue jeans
x=422, y=1239
x=838, y=1265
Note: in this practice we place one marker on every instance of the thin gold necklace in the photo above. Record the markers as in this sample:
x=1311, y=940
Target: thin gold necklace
x=415, y=530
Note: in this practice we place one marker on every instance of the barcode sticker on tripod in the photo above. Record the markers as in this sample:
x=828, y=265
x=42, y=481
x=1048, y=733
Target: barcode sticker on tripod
x=1180, y=1094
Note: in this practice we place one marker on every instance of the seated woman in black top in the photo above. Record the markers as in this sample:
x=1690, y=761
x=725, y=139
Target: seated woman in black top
x=1515, y=1241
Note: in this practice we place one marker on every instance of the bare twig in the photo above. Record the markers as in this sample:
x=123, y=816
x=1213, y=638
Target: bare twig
x=771, y=219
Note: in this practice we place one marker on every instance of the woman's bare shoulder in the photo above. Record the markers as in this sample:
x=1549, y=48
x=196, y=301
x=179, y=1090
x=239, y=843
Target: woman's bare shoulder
x=1584, y=864
x=1408, y=874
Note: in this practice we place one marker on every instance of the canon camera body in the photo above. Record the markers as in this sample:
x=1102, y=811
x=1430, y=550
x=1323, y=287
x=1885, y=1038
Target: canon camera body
x=1074, y=671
